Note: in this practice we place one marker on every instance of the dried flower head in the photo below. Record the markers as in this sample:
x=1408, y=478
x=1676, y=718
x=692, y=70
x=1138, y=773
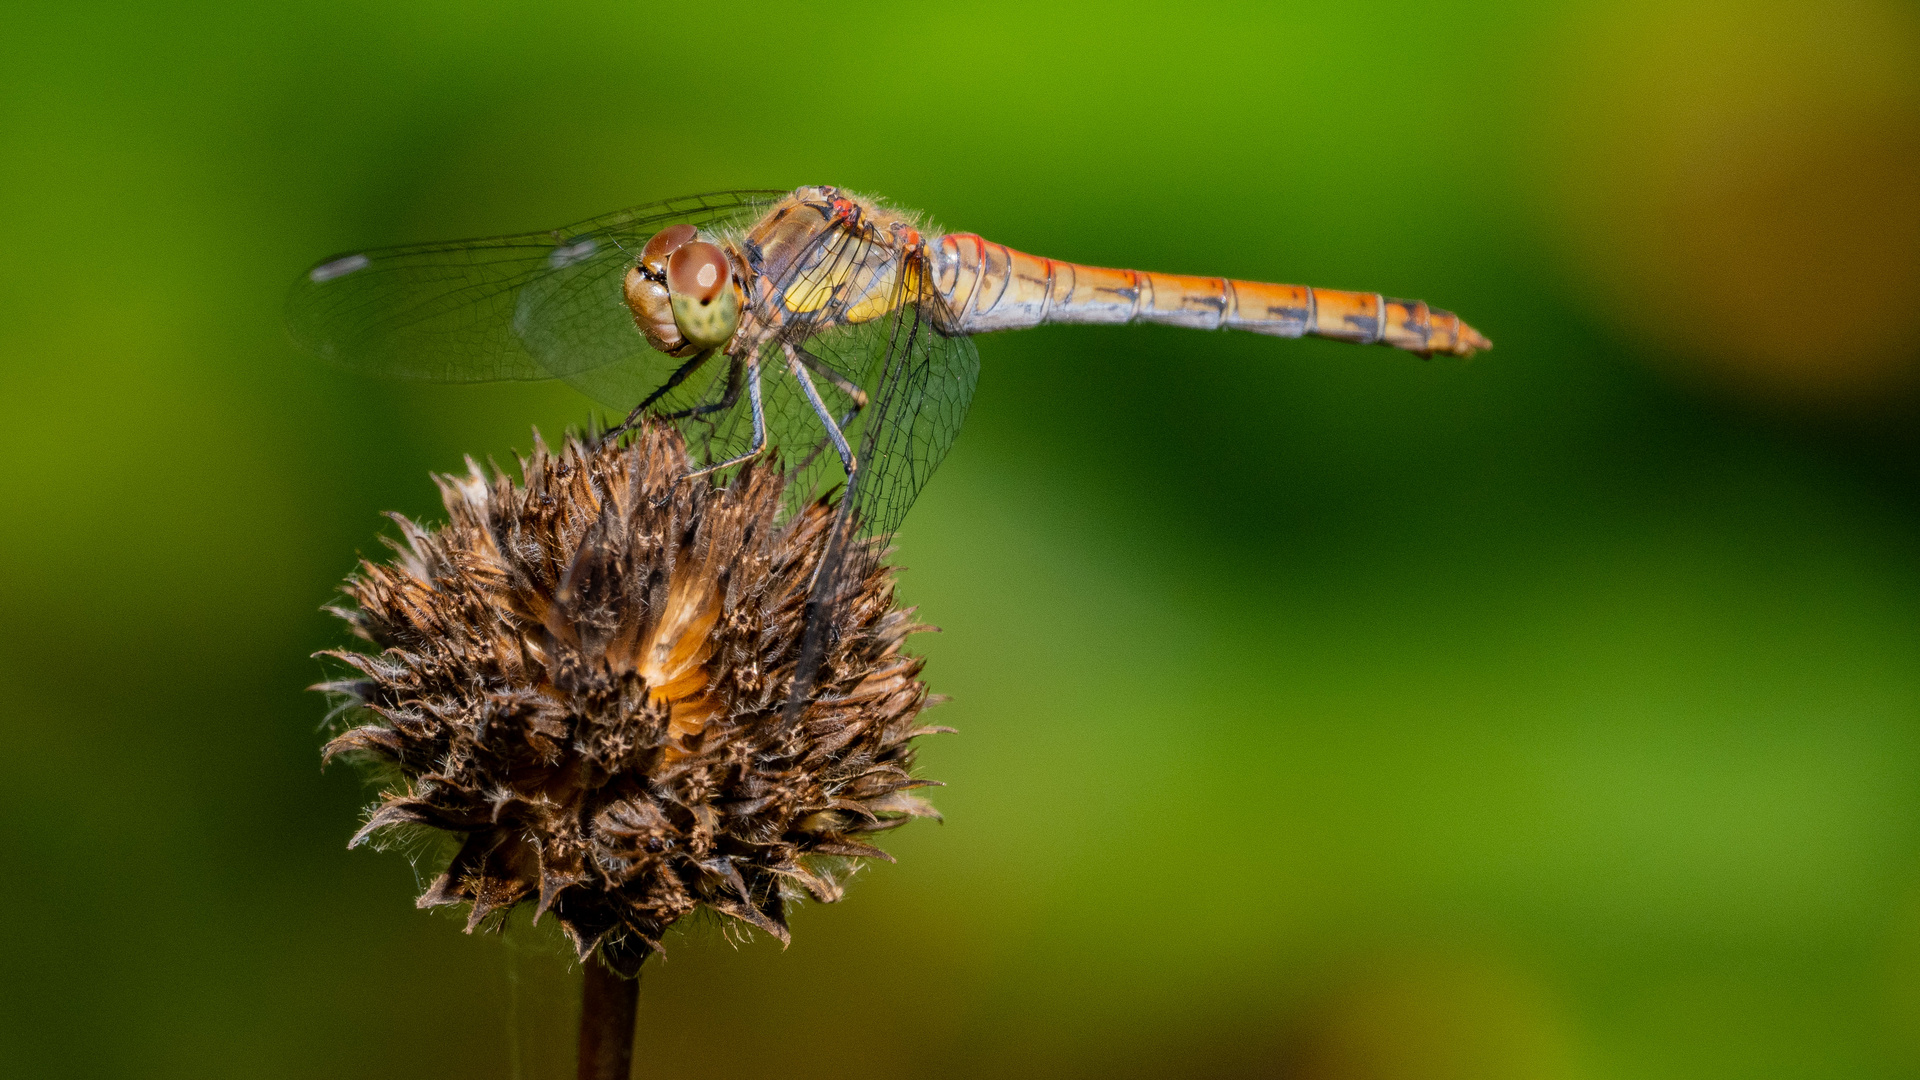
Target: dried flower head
x=584, y=676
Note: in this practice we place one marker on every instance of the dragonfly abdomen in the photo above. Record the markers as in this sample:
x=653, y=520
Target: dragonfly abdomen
x=990, y=286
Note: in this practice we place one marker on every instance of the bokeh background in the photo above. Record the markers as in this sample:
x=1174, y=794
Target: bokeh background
x=1325, y=713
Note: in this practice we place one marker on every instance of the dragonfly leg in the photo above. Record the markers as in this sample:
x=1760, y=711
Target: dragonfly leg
x=673, y=380
x=841, y=382
x=799, y=369
x=728, y=397
x=726, y=401
x=759, y=425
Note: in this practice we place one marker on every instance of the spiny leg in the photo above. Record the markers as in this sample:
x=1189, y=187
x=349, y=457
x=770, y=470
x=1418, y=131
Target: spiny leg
x=726, y=401
x=799, y=369
x=759, y=421
x=673, y=380
x=840, y=382
x=845, y=385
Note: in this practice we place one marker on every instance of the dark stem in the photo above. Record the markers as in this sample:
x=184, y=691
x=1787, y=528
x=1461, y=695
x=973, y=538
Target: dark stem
x=607, y=1006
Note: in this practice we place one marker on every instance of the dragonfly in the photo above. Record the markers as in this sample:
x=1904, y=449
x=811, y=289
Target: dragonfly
x=833, y=327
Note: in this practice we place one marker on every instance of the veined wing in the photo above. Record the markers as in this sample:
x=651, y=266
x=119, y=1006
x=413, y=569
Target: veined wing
x=922, y=384
x=536, y=305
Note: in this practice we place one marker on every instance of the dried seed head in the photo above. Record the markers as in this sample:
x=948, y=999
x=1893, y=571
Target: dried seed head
x=584, y=675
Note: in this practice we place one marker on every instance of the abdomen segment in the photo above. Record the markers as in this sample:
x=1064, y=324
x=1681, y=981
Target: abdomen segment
x=990, y=286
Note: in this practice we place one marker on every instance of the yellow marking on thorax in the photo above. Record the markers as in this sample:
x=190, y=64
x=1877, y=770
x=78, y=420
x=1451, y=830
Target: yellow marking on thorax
x=867, y=287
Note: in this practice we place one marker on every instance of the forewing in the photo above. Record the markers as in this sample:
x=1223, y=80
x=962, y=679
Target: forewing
x=532, y=306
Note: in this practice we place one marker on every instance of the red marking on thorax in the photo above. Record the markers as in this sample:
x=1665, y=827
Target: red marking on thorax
x=846, y=210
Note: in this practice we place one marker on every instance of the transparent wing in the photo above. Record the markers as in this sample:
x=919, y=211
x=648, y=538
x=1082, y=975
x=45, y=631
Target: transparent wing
x=532, y=306
x=922, y=383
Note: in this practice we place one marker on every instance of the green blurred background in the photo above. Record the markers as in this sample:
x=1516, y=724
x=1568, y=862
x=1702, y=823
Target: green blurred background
x=1325, y=713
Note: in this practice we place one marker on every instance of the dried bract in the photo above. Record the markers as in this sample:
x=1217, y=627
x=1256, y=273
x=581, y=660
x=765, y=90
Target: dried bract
x=584, y=675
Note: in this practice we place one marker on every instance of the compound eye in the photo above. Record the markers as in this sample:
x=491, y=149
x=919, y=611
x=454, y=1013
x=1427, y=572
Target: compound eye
x=705, y=301
x=698, y=272
x=664, y=243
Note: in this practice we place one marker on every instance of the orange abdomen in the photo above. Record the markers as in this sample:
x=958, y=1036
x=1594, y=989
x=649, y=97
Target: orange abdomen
x=990, y=286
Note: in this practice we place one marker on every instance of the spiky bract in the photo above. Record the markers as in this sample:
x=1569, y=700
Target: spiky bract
x=585, y=676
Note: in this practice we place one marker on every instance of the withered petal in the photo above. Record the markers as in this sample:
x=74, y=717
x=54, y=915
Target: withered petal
x=407, y=811
x=585, y=674
x=852, y=849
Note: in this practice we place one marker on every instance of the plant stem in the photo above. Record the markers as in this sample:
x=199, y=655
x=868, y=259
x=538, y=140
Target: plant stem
x=607, y=1006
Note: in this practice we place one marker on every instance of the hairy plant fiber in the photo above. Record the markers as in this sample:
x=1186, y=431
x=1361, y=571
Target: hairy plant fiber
x=583, y=676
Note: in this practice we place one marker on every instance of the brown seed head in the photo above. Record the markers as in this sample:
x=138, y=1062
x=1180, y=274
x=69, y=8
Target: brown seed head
x=584, y=676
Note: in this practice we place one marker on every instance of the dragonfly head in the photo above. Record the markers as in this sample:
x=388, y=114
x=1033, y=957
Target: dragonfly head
x=684, y=293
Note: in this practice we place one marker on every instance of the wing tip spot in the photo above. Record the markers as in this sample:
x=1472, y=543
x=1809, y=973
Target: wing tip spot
x=567, y=254
x=337, y=268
